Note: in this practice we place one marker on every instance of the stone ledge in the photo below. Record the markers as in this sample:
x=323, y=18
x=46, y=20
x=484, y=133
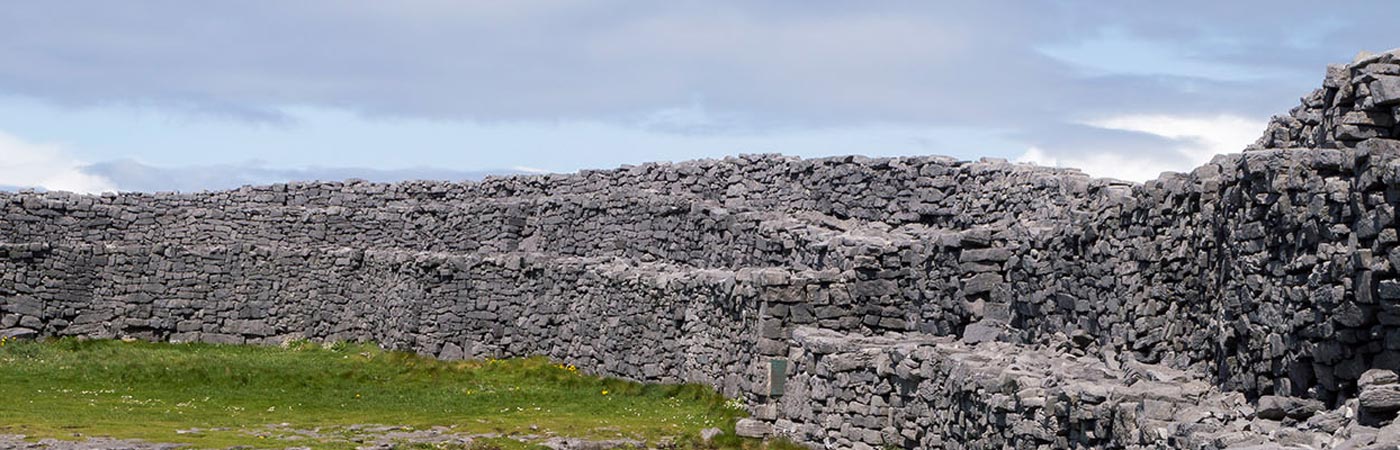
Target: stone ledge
x=855, y=391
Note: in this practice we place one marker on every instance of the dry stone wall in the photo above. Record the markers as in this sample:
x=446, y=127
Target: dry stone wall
x=1357, y=102
x=937, y=392
x=894, y=288
x=589, y=311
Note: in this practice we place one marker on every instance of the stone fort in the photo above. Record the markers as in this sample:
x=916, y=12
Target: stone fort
x=852, y=302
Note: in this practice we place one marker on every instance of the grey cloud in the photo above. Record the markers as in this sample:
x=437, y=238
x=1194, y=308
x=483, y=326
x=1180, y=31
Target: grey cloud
x=779, y=64
x=130, y=175
x=1283, y=34
x=682, y=67
x=1112, y=95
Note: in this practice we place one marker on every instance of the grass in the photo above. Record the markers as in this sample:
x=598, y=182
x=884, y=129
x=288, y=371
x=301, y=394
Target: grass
x=246, y=395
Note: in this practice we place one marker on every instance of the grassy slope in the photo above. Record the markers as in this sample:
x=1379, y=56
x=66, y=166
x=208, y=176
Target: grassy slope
x=148, y=391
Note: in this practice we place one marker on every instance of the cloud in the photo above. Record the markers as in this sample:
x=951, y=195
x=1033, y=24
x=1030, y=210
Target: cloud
x=134, y=176
x=668, y=80
x=1201, y=138
x=1108, y=165
x=812, y=64
x=1182, y=143
x=46, y=166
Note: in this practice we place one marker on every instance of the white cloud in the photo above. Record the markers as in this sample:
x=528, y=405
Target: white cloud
x=530, y=170
x=1110, y=165
x=1205, y=137
x=26, y=164
x=1197, y=139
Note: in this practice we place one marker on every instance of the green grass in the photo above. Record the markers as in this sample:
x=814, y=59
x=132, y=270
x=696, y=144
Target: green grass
x=71, y=389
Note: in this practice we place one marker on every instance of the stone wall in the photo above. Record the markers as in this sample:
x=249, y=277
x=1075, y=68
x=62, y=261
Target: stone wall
x=936, y=392
x=589, y=311
x=1357, y=102
x=1266, y=274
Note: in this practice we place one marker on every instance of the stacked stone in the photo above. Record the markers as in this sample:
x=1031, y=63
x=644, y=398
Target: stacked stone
x=1357, y=101
x=440, y=217
x=452, y=306
x=921, y=391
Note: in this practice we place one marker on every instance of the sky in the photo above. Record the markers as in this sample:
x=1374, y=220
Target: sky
x=176, y=95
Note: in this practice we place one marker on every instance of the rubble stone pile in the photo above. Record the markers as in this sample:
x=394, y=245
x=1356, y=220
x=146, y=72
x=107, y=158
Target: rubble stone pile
x=918, y=302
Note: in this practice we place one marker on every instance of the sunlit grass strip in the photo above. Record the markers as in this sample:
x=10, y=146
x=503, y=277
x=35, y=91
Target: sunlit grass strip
x=150, y=391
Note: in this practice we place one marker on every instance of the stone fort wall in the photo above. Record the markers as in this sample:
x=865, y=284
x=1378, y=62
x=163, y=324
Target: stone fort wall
x=1267, y=273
